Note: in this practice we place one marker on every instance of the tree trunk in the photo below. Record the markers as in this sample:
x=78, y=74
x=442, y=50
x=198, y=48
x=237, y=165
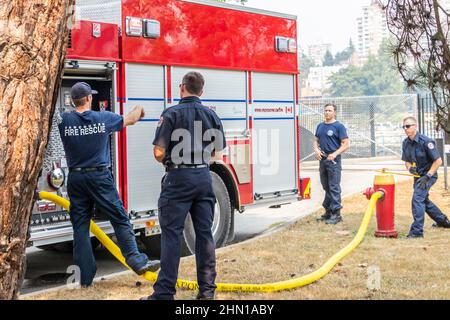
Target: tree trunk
x=33, y=41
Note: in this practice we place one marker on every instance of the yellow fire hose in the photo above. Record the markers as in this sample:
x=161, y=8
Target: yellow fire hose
x=229, y=287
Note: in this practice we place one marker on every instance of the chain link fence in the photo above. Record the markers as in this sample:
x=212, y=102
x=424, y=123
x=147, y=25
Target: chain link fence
x=428, y=124
x=373, y=123
x=427, y=116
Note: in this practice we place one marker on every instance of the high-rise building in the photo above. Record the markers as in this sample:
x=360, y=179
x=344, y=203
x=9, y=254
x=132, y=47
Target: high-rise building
x=317, y=52
x=372, y=29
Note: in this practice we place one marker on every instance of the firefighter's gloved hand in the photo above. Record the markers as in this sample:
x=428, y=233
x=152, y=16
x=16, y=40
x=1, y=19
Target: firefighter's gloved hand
x=413, y=170
x=422, y=183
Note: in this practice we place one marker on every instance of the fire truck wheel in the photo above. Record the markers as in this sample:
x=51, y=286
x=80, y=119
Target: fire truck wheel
x=221, y=223
x=67, y=247
x=151, y=246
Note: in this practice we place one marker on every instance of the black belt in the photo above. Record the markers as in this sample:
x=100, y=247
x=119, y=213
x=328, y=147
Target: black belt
x=324, y=157
x=186, y=166
x=88, y=169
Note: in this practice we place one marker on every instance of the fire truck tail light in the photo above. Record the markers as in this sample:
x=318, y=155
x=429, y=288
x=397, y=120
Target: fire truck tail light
x=133, y=26
x=152, y=29
x=150, y=224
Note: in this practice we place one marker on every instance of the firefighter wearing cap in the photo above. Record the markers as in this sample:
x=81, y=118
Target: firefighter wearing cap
x=85, y=136
x=330, y=143
x=422, y=158
x=188, y=136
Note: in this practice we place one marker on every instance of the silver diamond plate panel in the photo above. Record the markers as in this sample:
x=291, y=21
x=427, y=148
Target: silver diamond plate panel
x=54, y=154
x=55, y=148
x=108, y=11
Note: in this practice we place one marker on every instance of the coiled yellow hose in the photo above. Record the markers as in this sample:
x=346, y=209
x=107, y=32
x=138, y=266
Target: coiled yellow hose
x=231, y=287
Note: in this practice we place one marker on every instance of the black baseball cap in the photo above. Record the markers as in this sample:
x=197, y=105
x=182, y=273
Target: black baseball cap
x=80, y=90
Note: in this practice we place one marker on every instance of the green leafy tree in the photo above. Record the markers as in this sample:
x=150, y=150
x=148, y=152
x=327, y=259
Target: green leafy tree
x=328, y=59
x=345, y=55
x=377, y=76
x=348, y=82
x=305, y=64
x=351, y=46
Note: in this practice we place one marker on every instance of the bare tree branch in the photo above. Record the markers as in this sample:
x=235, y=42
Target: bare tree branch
x=421, y=49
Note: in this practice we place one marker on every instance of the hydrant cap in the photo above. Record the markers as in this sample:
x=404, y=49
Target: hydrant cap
x=369, y=192
x=384, y=180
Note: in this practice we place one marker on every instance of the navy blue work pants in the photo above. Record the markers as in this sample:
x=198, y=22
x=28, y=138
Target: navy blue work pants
x=421, y=203
x=330, y=178
x=85, y=190
x=186, y=190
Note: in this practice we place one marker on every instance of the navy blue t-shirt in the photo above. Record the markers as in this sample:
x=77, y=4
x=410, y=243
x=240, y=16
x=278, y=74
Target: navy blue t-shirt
x=422, y=150
x=184, y=131
x=330, y=136
x=85, y=137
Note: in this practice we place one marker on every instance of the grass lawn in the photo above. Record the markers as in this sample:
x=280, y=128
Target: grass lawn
x=410, y=268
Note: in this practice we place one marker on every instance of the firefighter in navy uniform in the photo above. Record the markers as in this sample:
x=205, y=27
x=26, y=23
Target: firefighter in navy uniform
x=188, y=136
x=85, y=136
x=331, y=141
x=422, y=158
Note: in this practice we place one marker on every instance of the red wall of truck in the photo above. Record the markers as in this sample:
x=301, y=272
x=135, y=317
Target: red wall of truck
x=211, y=37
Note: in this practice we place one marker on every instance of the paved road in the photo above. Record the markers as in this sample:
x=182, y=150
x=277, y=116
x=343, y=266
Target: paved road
x=47, y=269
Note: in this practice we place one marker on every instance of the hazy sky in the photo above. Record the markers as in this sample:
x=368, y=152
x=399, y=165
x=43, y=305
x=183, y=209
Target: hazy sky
x=319, y=21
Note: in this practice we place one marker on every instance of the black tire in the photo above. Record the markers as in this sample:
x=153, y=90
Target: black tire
x=222, y=219
x=151, y=246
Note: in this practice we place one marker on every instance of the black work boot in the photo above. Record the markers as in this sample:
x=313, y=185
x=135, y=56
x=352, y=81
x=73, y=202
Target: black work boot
x=414, y=236
x=325, y=216
x=156, y=297
x=444, y=224
x=335, y=217
x=151, y=265
x=201, y=296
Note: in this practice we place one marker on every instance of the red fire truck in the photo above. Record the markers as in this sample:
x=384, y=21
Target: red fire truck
x=135, y=52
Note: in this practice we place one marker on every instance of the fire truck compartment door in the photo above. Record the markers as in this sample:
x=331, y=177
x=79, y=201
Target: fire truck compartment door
x=274, y=141
x=224, y=92
x=144, y=86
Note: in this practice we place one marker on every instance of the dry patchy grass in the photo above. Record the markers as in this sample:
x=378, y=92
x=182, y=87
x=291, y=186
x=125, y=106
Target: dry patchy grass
x=410, y=269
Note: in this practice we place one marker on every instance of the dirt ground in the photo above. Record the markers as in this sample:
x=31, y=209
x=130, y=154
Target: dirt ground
x=409, y=268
